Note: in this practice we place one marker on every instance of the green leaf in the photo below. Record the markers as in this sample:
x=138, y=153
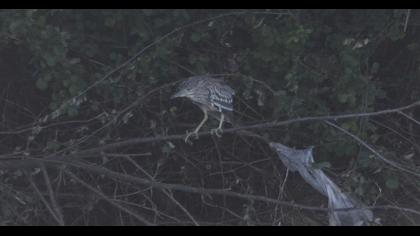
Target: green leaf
x=42, y=84
x=350, y=125
x=195, y=37
x=192, y=59
x=52, y=145
x=73, y=90
x=365, y=159
x=321, y=165
x=413, y=46
x=72, y=111
x=109, y=22
x=375, y=68
x=50, y=60
x=392, y=183
x=342, y=98
x=167, y=147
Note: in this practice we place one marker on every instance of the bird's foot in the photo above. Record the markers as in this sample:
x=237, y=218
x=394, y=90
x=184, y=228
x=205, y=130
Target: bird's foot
x=189, y=134
x=218, y=132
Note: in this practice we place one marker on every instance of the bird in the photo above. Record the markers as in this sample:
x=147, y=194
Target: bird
x=212, y=95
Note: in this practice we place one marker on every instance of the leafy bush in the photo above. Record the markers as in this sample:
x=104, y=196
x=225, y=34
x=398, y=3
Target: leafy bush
x=79, y=79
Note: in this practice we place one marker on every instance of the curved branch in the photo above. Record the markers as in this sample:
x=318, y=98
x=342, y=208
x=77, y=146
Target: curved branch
x=203, y=191
x=247, y=127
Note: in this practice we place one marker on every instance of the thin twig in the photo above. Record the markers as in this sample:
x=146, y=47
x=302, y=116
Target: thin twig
x=407, y=17
x=165, y=191
x=54, y=203
x=242, y=129
x=174, y=187
x=47, y=205
x=170, y=195
x=363, y=143
x=409, y=117
x=183, y=188
x=30, y=127
x=111, y=201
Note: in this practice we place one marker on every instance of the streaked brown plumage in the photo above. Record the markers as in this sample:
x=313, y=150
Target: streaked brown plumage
x=212, y=95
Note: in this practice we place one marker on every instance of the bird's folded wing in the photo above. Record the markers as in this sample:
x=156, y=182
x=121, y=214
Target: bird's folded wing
x=222, y=97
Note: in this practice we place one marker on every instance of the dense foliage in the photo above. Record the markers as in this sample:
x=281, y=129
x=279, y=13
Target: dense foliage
x=74, y=80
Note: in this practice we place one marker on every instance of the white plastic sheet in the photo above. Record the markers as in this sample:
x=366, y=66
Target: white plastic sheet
x=301, y=161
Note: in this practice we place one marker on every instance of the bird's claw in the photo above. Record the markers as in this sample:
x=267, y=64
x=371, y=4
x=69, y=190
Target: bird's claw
x=218, y=132
x=189, y=134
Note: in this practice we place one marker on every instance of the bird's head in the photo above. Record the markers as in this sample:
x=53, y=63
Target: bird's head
x=186, y=92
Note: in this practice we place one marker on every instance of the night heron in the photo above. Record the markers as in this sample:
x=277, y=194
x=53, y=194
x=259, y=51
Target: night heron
x=212, y=95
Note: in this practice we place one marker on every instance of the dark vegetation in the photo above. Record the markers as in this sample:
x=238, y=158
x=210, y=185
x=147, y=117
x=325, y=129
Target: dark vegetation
x=82, y=91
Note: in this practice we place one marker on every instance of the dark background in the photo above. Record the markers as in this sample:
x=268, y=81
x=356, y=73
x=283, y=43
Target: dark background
x=75, y=80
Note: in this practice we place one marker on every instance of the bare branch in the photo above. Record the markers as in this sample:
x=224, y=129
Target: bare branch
x=54, y=203
x=239, y=128
x=47, y=205
x=111, y=201
x=391, y=163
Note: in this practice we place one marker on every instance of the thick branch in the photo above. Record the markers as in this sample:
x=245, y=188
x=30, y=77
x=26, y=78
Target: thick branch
x=248, y=127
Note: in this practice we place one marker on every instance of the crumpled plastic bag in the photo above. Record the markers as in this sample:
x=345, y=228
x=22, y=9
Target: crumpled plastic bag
x=301, y=161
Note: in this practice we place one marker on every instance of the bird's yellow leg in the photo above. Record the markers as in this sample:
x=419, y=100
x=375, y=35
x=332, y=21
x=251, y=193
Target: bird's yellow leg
x=196, y=129
x=218, y=131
